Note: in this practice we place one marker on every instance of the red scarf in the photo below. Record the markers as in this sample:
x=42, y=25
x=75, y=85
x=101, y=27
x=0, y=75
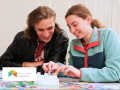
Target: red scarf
x=38, y=51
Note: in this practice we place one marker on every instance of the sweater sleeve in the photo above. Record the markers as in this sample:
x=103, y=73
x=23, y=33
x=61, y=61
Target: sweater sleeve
x=111, y=71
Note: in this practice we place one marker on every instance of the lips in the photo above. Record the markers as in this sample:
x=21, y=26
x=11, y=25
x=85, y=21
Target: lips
x=77, y=34
x=46, y=38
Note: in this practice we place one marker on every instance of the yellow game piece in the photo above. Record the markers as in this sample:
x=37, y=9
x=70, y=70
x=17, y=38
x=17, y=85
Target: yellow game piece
x=48, y=72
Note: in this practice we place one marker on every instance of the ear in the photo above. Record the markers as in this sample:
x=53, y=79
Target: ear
x=88, y=18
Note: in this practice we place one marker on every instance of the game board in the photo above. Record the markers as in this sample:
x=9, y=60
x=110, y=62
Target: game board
x=32, y=86
x=21, y=85
x=62, y=85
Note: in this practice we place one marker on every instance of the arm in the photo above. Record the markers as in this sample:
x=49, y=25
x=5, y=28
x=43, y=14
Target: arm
x=15, y=55
x=8, y=59
x=111, y=71
x=56, y=49
x=32, y=64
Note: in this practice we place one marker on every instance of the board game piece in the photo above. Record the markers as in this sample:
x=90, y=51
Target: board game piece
x=90, y=87
x=20, y=83
x=47, y=79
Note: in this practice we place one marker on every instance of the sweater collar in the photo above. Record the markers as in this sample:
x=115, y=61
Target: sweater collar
x=94, y=41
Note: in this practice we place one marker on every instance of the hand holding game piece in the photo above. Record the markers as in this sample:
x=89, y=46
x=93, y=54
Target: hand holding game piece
x=52, y=73
x=50, y=66
x=69, y=70
x=55, y=73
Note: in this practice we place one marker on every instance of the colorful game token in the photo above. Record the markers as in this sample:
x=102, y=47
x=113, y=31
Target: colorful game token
x=90, y=87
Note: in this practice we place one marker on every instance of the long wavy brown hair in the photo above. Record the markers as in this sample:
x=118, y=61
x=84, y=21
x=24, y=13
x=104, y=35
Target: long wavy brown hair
x=81, y=11
x=41, y=12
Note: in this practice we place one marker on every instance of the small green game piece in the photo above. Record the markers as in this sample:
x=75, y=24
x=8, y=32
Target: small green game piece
x=30, y=83
x=12, y=86
x=20, y=83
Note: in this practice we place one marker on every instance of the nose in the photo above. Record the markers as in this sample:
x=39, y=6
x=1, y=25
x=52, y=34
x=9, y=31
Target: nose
x=46, y=33
x=71, y=29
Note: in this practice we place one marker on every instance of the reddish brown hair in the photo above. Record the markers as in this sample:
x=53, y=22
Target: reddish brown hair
x=81, y=11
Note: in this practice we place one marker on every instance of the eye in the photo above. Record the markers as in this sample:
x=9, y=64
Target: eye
x=75, y=25
x=50, y=28
x=40, y=29
x=68, y=26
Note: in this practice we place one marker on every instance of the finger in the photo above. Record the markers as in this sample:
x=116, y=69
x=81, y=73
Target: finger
x=53, y=67
x=71, y=72
x=59, y=70
x=45, y=67
x=64, y=68
x=67, y=70
x=50, y=65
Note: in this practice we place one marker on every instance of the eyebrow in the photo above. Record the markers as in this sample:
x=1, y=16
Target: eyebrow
x=40, y=29
x=43, y=29
x=50, y=27
x=71, y=23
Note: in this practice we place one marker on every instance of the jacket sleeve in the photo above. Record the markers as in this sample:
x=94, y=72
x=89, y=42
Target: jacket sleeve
x=8, y=58
x=59, y=49
x=111, y=71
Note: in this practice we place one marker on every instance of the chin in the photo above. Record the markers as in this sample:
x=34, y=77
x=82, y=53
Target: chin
x=79, y=38
x=46, y=41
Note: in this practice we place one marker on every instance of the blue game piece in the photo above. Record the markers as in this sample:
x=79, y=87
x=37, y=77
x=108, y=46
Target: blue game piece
x=23, y=85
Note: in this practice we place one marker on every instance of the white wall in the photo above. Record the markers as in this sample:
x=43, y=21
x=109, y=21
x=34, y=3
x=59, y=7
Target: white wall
x=13, y=15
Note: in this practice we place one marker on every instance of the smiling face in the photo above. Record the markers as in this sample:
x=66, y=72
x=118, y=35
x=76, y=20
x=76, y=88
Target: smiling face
x=78, y=26
x=45, y=29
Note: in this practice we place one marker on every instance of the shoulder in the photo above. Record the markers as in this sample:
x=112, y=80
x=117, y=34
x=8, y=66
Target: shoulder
x=20, y=36
x=107, y=30
x=63, y=33
x=61, y=36
x=108, y=34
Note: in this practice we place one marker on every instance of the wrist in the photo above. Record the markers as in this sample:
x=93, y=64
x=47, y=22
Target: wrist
x=41, y=63
x=24, y=64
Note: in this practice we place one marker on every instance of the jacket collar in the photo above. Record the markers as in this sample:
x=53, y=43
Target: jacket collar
x=93, y=42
